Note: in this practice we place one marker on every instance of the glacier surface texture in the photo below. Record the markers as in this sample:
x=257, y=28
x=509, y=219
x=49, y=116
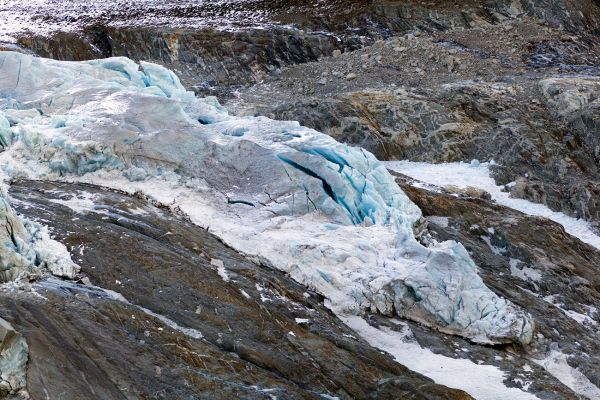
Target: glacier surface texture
x=328, y=214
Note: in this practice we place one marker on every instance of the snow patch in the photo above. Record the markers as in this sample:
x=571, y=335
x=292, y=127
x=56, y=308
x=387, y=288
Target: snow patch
x=478, y=175
x=484, y=382
x=81, y=203
x=582, y=319
x=524, y=273
x=220, y=269
x=556, y=364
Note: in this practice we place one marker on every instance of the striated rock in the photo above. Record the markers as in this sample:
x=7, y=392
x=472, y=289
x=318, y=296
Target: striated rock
x=576, y=101
x=207, y=60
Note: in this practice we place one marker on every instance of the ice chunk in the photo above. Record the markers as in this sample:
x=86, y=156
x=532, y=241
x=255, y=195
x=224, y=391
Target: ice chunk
x=13, y=360
x=26, y=247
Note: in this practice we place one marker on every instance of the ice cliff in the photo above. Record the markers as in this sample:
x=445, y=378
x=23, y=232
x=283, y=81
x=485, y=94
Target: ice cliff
x=328, y=214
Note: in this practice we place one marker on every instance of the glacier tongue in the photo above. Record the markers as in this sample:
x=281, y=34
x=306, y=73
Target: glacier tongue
x=328, y=214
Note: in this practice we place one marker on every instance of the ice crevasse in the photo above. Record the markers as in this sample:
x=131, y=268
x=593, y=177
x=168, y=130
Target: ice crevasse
x=328, y=214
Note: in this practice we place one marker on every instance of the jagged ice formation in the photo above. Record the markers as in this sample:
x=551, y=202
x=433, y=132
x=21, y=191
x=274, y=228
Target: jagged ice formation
x=328, y=214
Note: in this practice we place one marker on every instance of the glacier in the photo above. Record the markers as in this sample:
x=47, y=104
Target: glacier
x=329, y=215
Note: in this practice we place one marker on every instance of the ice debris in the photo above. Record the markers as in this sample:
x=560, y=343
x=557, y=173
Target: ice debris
x=26, y=247
x=272, y=189
x=13, y=361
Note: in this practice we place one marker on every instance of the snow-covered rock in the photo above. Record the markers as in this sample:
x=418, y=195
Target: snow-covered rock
x=328, y=214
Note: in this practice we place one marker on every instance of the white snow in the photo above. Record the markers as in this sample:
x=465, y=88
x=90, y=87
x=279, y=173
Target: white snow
x=220, y=269
x=477, y=175
x=582, y=319
x=193, y=333
x=524, y=273
x=82, y=202
x=556, y=364
x=483, y=382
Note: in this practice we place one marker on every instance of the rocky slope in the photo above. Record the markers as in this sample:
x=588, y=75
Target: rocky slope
x=164, y=309
x=520, y=93
x=175, y=313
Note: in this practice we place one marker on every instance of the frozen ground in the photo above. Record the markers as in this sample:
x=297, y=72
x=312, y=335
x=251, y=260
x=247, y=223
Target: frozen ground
x=477, y=175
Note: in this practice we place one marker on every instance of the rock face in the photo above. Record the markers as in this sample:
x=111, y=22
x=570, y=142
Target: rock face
x=208, y=61
x=191, y=338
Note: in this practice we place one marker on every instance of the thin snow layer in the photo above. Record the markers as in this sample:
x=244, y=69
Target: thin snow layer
x=556, y=363
x=477, y=175
x=328, y=214
x=483, y=382
x=116, y=296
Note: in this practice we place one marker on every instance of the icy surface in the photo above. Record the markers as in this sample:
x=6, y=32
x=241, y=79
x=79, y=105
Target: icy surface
x=478, y=175
x=328, y=214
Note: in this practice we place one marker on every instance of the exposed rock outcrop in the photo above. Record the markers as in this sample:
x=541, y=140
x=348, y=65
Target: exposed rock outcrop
x=458, y=96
